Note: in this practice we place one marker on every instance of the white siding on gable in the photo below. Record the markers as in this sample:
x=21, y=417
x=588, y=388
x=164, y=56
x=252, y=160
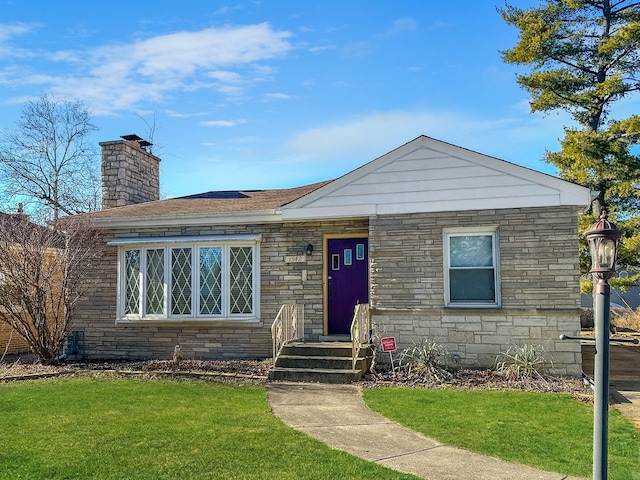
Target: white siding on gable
x=427, y=175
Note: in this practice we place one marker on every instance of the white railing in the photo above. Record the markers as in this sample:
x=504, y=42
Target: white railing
x=287, y=327
x=360, y=331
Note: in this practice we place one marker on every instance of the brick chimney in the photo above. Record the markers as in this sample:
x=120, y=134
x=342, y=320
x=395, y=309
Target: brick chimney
x=130, y=174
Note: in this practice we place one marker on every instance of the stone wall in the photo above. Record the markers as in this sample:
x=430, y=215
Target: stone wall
x=280, y=283
x=130, y=175
x=539, y=278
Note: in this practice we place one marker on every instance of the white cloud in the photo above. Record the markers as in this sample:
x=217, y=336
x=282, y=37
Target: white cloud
x=116, y=77
x=322, y=48
x=226, y=76
x=10, y=30
x=277, y=96
x=402, y=25
x=221, y=123
x=175, y=114
x=361, y=139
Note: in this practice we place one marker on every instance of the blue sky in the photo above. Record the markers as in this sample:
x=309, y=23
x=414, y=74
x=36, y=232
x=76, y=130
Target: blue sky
x=274, y=94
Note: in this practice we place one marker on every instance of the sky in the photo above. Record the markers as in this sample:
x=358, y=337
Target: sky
x=276, y=93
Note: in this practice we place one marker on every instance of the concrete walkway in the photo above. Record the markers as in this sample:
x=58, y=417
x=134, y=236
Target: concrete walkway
x=337, y=416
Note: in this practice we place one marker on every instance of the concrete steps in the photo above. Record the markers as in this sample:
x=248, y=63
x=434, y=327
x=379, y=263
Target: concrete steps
x=325, y=362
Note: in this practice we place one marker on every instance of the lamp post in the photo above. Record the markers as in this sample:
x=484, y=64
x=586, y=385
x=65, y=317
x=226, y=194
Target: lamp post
x=603, y=238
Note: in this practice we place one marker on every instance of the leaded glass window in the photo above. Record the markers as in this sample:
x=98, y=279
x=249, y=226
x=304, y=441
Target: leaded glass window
x=155, y=282
x=210, y=280
x=181, y=281
x=241, y=268
x=190, y=280
x=132, y=282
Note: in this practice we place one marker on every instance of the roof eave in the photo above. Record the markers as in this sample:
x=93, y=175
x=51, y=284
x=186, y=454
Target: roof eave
x=226, y=218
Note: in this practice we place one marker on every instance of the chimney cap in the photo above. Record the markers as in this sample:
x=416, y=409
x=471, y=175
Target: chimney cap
x=131, y=138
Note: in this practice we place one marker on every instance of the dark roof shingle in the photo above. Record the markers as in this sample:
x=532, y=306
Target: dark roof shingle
x=212, y=203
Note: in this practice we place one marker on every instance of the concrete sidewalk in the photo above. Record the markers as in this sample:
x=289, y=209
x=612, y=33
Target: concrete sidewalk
x=337, y=416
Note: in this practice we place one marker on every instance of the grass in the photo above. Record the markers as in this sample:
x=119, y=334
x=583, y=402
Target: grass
x=549, y=431
x=109, y=428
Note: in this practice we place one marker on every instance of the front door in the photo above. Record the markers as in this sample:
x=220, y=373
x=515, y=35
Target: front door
x=347, y=281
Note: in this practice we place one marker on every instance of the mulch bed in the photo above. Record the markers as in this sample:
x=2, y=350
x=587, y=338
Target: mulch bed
x=256, y=372
x=467, y=379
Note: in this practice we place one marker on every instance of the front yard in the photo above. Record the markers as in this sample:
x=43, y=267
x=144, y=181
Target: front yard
x=110, y=427
x=550, y=431
x=115, y=428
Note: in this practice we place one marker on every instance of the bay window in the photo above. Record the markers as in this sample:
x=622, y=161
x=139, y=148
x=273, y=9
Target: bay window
x=202, y=278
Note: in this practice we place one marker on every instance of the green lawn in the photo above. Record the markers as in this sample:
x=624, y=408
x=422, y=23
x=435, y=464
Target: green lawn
x=109, y=428
x=549, y=431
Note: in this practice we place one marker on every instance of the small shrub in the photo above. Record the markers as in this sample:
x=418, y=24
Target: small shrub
x=622, y=320
x=522, y=362
x=586, y=319
x=424, y=359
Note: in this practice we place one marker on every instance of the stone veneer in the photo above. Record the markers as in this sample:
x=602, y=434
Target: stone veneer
x=539, y=273
x=539, y=280
x=130, y=174
x=280, y=283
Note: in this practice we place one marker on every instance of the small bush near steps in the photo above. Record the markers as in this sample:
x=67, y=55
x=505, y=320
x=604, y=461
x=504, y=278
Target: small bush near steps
x=425, y=359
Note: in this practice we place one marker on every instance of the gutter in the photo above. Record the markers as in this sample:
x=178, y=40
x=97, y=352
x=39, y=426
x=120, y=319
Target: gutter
x=260, y=216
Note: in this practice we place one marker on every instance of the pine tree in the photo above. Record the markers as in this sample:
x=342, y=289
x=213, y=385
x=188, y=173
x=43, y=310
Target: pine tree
x=583, y=57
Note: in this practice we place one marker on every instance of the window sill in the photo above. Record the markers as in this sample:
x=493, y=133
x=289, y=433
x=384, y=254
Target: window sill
x=477, y=306
x=190, y=322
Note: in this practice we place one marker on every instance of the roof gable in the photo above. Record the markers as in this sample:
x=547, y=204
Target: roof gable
x=428, y=175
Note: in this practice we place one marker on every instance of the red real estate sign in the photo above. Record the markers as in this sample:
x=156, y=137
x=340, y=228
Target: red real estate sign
x=388, y=344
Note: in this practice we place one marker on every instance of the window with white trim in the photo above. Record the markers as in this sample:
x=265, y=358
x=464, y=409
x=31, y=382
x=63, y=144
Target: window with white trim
x=472, y=277
x=173, y=280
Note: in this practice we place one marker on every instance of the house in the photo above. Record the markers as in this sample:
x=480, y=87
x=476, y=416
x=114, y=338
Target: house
x=441, y=242
x=19, y=245
x=10, y=341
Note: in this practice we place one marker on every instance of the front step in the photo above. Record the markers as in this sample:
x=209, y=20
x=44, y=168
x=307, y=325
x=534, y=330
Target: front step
x=314, y=375
x=325, y=362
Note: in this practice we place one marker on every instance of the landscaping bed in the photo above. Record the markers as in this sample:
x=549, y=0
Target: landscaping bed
x=256, y=371
x=465, y=379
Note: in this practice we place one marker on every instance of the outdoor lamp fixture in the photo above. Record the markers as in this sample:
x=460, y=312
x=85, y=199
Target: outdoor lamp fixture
x=309, y=250
x=604, y=238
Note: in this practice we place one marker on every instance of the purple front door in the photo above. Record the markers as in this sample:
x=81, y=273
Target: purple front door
x=348, y=281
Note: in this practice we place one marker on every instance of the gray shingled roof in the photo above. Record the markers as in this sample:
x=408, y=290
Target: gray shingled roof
x=212, y=203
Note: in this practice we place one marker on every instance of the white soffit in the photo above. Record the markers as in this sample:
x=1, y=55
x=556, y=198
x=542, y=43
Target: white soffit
x=427, y=175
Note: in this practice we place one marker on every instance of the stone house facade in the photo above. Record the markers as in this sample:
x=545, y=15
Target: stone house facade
x=443, y=243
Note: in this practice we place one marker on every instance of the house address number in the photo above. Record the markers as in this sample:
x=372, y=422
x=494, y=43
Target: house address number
x=295, y=259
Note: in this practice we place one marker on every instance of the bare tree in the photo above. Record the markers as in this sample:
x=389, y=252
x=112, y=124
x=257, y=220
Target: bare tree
x=48, y=162
x=44, y=276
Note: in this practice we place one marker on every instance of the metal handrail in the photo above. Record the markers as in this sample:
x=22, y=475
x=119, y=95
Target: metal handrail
x=360, y=331
x=287, y=327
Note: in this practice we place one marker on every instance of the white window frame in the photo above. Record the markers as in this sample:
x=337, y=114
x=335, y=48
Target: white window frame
x=472, y=231
x=226, y=243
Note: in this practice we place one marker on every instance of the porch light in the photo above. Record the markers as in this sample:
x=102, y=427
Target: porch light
x=309, y=250
x=603, y=238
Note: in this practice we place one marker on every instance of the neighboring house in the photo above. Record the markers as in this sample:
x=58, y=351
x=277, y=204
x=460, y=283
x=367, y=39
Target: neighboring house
x=10, y=341
x=443, y=243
